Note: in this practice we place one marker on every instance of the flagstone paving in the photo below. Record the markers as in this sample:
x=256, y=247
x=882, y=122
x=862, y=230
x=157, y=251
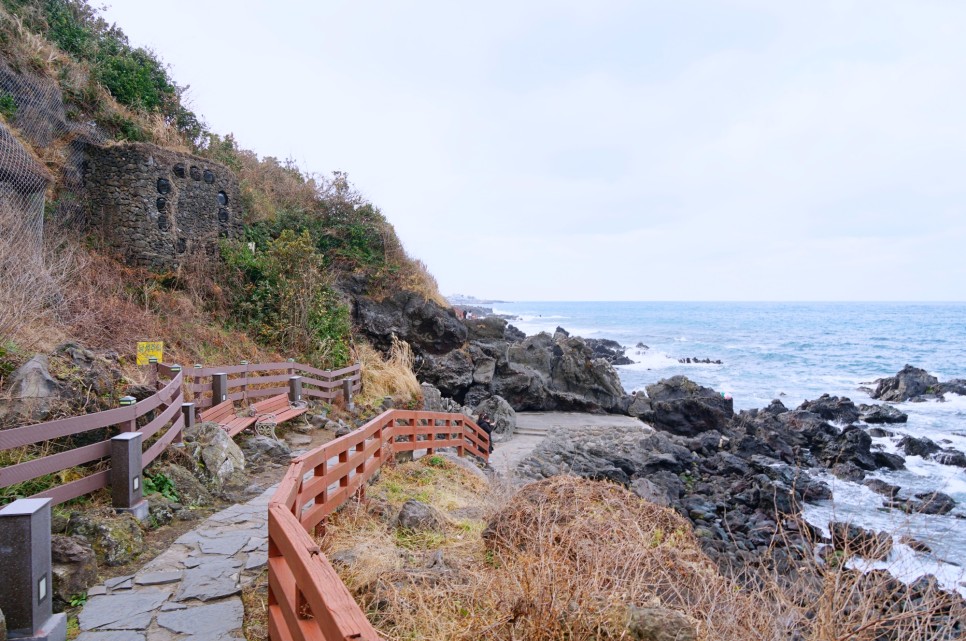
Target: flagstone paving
x=192, y=590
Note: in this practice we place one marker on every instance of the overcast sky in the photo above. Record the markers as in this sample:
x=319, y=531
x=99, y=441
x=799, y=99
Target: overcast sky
x=612, y=150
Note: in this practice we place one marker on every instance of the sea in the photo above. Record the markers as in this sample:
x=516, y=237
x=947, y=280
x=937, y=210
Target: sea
x=798, y=351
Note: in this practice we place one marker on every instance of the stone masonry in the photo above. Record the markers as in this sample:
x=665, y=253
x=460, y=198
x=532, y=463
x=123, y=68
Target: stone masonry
x=156, y=207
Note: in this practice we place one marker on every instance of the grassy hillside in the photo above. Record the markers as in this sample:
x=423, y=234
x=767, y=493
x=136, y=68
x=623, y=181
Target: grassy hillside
x=311, y=233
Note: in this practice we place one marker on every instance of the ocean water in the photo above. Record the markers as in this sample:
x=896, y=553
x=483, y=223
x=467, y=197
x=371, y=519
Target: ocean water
x=798, y=351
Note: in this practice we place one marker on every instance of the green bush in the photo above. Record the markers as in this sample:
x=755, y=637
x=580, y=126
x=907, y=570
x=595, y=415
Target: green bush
x=282, y=295
x=134, y=76
x=160, y=484
x=8, y=106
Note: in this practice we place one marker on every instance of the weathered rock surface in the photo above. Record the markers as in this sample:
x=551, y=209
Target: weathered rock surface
x=910, y=382
x=925, y=503
x=424, y=324
x=257, y=448
x=730, y=492
x=681, y=406
x=878, y=414
x=853, y=539
x=832, y=408
x=913, y=446
x=222, y=461
x=414, y=515
x=190, y=490
x=74, y=567
x=611, y=351
x=32, y=392
x=656, y=623
x=502, y=416
x=116, y=538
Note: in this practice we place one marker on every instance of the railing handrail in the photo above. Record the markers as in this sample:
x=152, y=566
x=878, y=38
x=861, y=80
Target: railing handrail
x=316, y=383
x=307, y=599
x=171, y=396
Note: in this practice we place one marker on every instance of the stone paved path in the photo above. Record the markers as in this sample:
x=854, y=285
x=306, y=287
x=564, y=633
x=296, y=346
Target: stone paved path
x=192, y=589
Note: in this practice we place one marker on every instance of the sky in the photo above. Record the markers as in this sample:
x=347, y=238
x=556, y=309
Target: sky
x=612, y=150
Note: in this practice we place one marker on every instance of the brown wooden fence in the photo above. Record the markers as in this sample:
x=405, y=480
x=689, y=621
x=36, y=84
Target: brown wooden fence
x=306, y=598
x=252, y=381
x=166, y=419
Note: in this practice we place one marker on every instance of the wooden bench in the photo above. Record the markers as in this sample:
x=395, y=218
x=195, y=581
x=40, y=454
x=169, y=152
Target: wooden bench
x=272, y=411
x=224, y=415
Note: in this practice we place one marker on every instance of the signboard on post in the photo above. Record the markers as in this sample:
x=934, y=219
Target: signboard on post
x=149, y=349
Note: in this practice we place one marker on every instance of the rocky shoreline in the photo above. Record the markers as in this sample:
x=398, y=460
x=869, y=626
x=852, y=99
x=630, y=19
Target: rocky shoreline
x=742, y=479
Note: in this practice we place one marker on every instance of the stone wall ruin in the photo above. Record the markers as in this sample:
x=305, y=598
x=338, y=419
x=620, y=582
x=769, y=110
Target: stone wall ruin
x=156, y=208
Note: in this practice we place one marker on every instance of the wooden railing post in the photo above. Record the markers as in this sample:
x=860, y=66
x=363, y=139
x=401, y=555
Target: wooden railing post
x=130, y=425
x=25, y=591
x=347, y=393
x=153, y=371
x=244, y=385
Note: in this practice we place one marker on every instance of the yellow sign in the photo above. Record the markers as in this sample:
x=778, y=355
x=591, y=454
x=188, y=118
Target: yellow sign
x=149, y=349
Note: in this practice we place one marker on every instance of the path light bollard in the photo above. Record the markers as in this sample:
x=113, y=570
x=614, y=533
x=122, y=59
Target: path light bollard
x=219, y=388
x=25, y=591
x=127, y=493
x=347, y=393
x=294, y=389
x=130, y=425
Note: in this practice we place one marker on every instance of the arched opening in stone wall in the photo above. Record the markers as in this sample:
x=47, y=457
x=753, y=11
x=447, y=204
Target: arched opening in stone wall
x=195, y=173
x=179, y=170
x=209, y=176
x=222, y=198
x=164, y=186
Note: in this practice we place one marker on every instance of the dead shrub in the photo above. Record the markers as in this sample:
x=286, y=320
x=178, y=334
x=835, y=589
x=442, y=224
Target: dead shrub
x=389, y=375
x=567, y=559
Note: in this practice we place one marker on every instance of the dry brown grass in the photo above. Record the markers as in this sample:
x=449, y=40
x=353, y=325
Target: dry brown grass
x=34, y=287
x=390, y=375
x=565, y=558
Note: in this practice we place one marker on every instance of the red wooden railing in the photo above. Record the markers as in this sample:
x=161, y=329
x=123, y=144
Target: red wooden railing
x=306, y=598
x=165, y=405
x=248, y=381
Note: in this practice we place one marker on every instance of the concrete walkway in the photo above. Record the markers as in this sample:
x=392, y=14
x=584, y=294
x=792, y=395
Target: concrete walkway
x=533, y=427
x=191, y=590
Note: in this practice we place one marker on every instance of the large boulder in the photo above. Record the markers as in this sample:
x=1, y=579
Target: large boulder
x=681, y=406
x=503, y=418
x=954, y=386
x=222, y=461
x=657, y=623
x=428, y=327
x=452, y=373
x=74, y=567
x=417, y=516
x=878, y=414
x=611, y=351
x=116, y=538
x=259, y=447
x=910, y=382
x=576, y=371
x=487, y=329
x=852, y=539
x=619, y=454
x=32, y=392
x=913, y=446
x=189, y=488
x=832, y=408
